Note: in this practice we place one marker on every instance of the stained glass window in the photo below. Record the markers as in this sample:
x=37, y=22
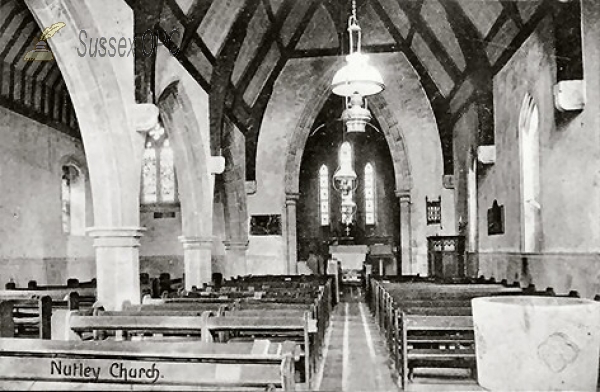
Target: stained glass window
x=345, y=154
x=159, y=183
x=369, y=194
x=324, y=195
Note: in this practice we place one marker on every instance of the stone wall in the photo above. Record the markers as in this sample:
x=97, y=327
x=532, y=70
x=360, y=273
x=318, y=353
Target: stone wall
x=569, y=176
x=33, y=245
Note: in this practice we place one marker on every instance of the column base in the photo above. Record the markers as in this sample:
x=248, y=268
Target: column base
x=235, y=259
x=117, y=265
x=197, y=261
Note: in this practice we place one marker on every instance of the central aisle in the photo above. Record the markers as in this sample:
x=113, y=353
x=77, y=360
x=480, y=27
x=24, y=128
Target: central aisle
x=355, y=357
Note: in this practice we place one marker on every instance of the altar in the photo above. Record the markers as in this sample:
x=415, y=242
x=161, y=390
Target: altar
x=351, y=257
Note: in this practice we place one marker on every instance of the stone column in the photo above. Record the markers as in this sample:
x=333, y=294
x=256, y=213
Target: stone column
x=292, y=242
x=405, y=233
x=117, y=265
x=235, y=258
x=197, y=261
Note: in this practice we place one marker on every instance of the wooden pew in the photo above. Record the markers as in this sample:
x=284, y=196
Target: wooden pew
x=97, y=327
x=440, y=303
x=55, y=294
x=71, y=284
x=30, y=317
x=265, y=293
x=299, y=329
x=27, y=364
x=433, y=341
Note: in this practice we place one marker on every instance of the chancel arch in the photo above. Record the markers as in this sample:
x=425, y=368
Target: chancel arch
x=351, y=222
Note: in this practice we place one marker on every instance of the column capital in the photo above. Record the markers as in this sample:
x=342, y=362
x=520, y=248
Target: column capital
x=116, y=236
x=190, y=242
x=236, y=244
x=145, y=116
x=292, y=197
x=403, y=195
x=216, y=164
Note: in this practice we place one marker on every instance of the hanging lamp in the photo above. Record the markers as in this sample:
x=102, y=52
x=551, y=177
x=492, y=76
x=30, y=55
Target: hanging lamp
x=356, y=80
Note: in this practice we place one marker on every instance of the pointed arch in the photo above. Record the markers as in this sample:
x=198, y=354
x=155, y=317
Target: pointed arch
x=106, y=113
x=189, y=158
x=377, y=103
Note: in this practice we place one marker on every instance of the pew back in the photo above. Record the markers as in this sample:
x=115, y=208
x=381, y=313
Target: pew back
x=145, y=366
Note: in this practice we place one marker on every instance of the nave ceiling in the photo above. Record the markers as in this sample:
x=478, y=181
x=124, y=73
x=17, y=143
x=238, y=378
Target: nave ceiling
x=236, y=49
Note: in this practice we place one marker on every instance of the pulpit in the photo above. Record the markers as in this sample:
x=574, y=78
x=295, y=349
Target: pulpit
x=446, y=257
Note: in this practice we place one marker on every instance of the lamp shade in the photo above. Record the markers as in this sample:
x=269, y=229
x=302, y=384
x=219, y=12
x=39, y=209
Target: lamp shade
x=357, y=76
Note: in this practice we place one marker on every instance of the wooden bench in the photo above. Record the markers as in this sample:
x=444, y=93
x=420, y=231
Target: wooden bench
x=31, y=317
x=27, y=364
x=55, y=294
x=124, y=326
x=436, y=341
x=298, y=329
x=71, y=284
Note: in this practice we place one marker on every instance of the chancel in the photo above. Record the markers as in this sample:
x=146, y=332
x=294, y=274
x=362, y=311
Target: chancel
x=334, y=195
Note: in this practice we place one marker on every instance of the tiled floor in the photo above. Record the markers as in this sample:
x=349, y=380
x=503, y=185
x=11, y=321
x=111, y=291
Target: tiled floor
x=357, y=359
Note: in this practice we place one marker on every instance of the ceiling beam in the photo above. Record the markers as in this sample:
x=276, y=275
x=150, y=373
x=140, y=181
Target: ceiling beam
x=513, y=11
x=238, y=116
x=431, y=89
x=544, y=9
x=439, y=104
x=268, y=38
x=430, y=38
x=272, y=20
x=17, y=9
x=27, y=19
x=193, y=34
x=468, y=37
x=146, y=16
x=262, y=101
x=194, y=18
x=329, y=52
x=503, y=18
x=221, y=75
x=479, y=69
x=27, y=46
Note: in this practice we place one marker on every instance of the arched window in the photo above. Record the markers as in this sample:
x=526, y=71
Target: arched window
x=369, y=194
x=324, y=195
x=73, y=200
x=159, y=185
x=347, y=196
x=529, y=120
x=346, y=154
